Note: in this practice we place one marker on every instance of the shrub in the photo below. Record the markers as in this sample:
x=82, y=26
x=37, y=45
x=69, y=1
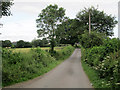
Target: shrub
x=90, y=40
x=64, y=53
x=109, y=69
x=95, y=55
x=112, y=45
x=23, y=66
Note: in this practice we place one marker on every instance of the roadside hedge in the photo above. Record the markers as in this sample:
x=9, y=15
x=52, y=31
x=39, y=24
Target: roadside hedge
x=64, y=53
x=18, y=67
x=105, y=59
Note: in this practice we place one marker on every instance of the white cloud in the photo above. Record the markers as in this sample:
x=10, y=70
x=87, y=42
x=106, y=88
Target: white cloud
x=27, y=8
x=25, y=30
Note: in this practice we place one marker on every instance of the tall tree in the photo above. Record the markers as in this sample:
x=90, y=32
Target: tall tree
x=100, y=21
x=68, y=31
x=48, y=20
x=20, y=44
x=6, y=43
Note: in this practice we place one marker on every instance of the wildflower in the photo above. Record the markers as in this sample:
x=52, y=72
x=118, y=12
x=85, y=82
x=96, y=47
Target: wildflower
x=102, y=82
x=116, y=65
x=91, y=84
x=108, y=56
x=111, y=78
x=117, y=83
x=108, y=84
x=102, y=63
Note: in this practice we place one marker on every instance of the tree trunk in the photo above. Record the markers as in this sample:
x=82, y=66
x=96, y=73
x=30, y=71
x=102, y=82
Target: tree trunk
x=52, y=48
x=52, y=44
x=52, y=40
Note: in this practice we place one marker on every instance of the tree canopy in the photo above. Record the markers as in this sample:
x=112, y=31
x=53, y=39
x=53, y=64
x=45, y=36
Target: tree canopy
x=68, y=31
x=20, y=44
x=90, y=40
x=5, y=7
x=6, y=43
x=100, y=21
x=23, y=44
x=40, y=43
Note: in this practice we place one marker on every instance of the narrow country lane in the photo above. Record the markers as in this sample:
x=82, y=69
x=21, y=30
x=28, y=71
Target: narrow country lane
x=68, y=74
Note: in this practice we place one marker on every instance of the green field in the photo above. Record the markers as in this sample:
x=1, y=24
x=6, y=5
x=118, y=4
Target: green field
x=28, y=49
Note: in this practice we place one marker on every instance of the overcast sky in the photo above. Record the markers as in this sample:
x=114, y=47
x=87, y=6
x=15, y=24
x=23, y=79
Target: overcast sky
x=22, y=26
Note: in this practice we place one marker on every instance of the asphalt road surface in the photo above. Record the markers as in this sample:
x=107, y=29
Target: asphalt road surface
x=68, y=74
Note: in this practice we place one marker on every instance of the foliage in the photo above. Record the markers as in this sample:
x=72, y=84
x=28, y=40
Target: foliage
x=5, y=6
x=92, y=74
x=105, y=60
x=40, y=43
x=27, y=45
x=100, y=21
x=95, y=55
x=62, y=54
x=35, y=43
x=90, y=40
x=23, y=44
x=20, y=44
x=109, y=69
x=47, y=21
x=111, y=45
x=68, y=31
x=119, y=44
x=18, y=67
x=44, y=42
x=6, y=43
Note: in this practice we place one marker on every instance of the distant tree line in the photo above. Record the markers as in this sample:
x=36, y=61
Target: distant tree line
x=24, y=44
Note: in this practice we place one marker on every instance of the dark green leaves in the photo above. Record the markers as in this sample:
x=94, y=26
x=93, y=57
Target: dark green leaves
x=89, y=41
x=6, y=7
x=49, y=18
x=100, y=21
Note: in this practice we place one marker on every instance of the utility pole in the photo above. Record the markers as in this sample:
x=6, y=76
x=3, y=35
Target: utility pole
x=89, y=23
